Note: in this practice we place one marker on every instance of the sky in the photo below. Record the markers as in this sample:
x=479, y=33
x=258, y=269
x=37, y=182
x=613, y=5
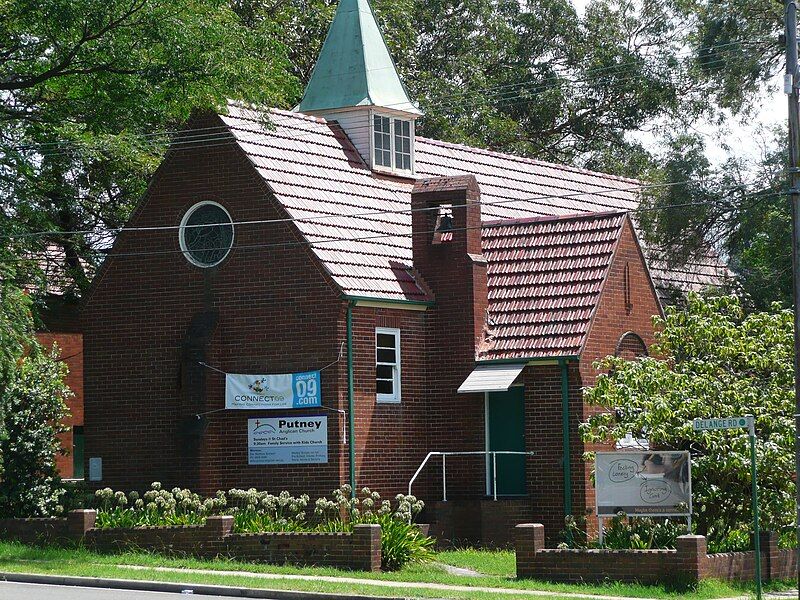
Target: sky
x=743, y=137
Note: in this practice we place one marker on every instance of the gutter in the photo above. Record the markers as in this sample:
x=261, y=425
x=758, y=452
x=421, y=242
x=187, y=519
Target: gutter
x=400, y=303
x=542, y=360
x=350, y=399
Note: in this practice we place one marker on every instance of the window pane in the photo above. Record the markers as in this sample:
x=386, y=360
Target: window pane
x=384, y=387
x=386, y=340
x=207, y=235
x=402, y=145
x=384, y=372
x=382, y=141
x=386, y=356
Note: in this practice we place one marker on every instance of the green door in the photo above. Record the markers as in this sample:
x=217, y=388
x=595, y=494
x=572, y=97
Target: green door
x=506, y=431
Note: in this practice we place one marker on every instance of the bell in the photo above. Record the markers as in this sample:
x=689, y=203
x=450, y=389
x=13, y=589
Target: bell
x=445, y=224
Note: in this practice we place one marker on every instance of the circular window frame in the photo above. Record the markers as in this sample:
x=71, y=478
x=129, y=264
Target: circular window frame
x=187, y=253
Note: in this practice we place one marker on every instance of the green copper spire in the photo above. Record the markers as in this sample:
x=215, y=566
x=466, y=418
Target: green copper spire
x=354, y=67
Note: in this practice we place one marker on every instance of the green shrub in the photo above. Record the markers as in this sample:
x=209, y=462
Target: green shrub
x=402, y=543
x=32, y=410
x=626, y=533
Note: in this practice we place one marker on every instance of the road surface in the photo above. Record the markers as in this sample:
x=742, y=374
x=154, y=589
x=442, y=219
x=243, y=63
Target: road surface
x=38, y=591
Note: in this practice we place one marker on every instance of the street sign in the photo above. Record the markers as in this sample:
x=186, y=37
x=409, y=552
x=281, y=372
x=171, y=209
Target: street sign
x=723, y=423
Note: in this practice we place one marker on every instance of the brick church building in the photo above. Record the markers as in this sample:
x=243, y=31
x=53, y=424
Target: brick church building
x=452, y=298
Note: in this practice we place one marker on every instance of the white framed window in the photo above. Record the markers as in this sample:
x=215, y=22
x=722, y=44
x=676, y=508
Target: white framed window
x=387, y=364
x=392, y=143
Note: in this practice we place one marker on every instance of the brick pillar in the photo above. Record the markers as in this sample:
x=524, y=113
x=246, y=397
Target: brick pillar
x=219, y=525
x=79, y=522
x=211, y=538
x=770, y=555
x=367, y=547
x=528, y=540
x=691, y=557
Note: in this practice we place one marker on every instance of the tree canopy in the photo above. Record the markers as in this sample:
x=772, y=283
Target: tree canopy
x=90, y=88
x=713, y=361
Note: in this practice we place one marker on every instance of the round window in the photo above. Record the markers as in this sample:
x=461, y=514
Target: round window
x=206, y=234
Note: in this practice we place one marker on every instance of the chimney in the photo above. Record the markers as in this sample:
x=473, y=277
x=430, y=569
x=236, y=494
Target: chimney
x=446, y=231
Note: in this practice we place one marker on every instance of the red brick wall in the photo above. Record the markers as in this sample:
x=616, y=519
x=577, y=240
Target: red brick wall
x=543, y=436
x=278, y=313
x=71, y=352
x=391, y=439
x=627, y=304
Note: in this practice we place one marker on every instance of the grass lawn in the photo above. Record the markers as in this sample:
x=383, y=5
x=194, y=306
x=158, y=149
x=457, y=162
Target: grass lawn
x=498, y=568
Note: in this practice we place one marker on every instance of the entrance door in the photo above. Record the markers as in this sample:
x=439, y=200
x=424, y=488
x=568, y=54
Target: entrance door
x=505, y=430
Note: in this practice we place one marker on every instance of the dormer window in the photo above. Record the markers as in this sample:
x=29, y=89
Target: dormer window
x=391, y=143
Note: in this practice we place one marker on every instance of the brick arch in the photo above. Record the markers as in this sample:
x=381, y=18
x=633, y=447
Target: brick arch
x=630, y=346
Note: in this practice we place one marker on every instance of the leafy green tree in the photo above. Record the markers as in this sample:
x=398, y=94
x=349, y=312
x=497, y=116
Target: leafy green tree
x=712, y=360
x=739, y=208
x=84, y=84
x=535, y=79
x=33, y=409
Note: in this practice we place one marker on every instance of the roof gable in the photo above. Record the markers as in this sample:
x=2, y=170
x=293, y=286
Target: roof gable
x=354, y=67
x=545, y=278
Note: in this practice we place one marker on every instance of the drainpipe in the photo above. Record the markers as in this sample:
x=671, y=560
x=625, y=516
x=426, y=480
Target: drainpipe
x=350, y=399
x=565, y=436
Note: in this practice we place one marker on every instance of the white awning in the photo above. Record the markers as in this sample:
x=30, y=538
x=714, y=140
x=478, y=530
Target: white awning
x=491, y=378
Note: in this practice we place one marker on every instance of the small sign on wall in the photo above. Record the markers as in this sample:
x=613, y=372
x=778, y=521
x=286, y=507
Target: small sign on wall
x=287, y=440
x=288, y=390
x=95, y=469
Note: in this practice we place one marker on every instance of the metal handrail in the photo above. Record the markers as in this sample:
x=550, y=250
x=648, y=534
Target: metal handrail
x=444, y=456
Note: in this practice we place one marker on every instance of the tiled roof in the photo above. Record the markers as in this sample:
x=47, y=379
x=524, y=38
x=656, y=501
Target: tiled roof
x=544, y=278
x=361, y=230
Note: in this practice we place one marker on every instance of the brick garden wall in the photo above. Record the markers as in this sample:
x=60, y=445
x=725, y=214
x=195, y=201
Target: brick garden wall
x=688, y=563
x=359, y=550
x=33, y=531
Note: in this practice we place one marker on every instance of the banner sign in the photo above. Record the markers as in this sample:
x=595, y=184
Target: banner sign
x=290, y=390
x=643, y=483
x=287, y=440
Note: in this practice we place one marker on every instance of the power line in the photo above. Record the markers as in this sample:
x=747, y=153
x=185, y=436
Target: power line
x=402, y=211
x=369, y=238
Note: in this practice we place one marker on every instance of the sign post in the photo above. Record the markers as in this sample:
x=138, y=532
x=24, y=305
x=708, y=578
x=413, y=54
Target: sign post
x=739, y=423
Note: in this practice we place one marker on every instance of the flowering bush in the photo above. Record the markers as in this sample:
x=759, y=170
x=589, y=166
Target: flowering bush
x=156, y=507
x=254, y=511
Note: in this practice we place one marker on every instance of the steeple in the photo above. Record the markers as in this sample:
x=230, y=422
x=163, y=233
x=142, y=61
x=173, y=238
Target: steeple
x=354, y=67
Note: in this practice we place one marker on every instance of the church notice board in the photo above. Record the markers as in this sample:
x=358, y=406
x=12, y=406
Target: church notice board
x=287, y=440
x=643, y=483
